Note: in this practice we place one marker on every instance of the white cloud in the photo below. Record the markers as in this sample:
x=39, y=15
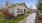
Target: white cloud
x=34, y=7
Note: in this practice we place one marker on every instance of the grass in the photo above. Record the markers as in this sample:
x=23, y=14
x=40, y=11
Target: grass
x=2, y=20
x=17, y=19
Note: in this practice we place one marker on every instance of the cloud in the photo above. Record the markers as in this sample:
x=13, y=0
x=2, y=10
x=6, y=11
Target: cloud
x=34, y=7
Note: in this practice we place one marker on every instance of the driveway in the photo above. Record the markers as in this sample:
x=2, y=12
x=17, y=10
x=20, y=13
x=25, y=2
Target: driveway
x=31, y=18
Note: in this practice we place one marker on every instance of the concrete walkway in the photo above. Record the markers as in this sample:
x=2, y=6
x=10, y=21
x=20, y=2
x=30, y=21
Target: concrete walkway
x=31, y=18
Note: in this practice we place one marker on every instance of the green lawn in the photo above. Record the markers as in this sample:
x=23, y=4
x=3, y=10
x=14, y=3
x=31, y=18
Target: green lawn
x=17, y=19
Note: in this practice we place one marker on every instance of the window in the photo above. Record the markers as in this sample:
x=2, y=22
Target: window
x=20, y=10
x=17, y=10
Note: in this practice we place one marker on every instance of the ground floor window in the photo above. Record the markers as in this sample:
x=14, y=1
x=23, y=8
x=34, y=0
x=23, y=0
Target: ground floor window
x=19, y=10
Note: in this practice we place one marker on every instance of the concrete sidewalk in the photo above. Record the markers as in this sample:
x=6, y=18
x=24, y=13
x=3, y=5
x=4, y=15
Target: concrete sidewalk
x=31, y=18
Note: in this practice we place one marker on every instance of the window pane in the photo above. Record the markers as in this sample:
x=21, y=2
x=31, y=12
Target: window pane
x=17, y=11
x=20, y=10
x=17, y=8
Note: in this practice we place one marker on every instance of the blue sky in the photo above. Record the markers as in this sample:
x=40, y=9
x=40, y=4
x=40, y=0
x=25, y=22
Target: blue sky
x=28, y=2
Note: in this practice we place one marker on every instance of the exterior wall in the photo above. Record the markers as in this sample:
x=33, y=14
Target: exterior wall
x=9, y=7
x=8, y=4
x=20, y=7
x=10, y=10
x=27, y=10
x=15, y=11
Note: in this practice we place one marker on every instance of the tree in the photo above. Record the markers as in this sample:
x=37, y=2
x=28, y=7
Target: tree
x=39, y=5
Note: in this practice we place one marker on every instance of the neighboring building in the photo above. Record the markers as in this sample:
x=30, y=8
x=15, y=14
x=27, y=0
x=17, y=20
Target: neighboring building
x=4, y=12
x=29, y=10
x=16, y=9
x=35, y=10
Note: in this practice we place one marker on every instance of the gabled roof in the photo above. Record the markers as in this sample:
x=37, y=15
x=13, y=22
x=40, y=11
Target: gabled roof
x=12, y=4
x=22, y=4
